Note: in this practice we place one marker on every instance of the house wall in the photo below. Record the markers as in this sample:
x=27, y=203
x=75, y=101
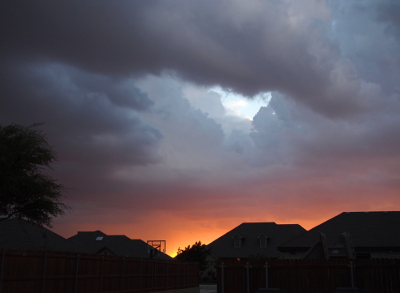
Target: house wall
x=295, y=255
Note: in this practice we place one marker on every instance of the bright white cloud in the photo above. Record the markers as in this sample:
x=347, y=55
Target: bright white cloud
x=237, y=105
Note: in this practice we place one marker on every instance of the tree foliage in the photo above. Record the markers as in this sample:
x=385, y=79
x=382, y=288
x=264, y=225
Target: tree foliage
x=25, y=191
x=197, y=252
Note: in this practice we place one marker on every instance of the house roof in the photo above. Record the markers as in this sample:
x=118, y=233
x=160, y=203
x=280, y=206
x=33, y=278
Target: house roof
x=369, y=231
x=121, y=245
x=223, y=247
x=17, y=233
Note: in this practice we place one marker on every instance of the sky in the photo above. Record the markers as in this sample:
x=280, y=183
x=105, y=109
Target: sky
x=179, y=120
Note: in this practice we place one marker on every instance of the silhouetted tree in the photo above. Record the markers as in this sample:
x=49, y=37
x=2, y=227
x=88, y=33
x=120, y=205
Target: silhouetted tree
x=197, y=252
x=25, y=192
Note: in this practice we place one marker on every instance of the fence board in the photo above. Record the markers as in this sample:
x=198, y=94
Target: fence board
x=319, y=276
x=42, y=272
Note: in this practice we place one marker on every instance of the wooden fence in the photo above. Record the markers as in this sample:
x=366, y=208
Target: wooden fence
x=41, y=272
x=299, y=276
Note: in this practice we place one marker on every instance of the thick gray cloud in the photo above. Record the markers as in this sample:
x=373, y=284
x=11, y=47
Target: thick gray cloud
x=90, y=119
x=252, y=47
x=388, y=12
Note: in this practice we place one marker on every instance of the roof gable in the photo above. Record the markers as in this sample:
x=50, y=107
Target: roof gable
x=97, y=242
x=367, y=230
x=250, y=233
x=17, y=233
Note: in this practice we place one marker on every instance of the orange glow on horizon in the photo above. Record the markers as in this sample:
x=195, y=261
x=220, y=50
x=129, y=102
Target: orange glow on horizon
x=182, y=229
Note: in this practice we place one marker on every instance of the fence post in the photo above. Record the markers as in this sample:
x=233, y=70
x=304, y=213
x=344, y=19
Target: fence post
x=222, y=278
x=266, y=275
x=248, y=276
x=123, y=272
x=44, y=270
x=155, y=275
x=2, y=269
x=101, y=273
x=167, y=274
x=352, y=274
x=186, y=275
x=141, y=273
x=178, y=276
x=76, y=273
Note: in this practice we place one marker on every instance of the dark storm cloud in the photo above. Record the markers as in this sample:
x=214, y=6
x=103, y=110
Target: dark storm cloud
x=83, y=118
x=368, y=37
x=94, y=35
x=389, y=13
x=250, y=48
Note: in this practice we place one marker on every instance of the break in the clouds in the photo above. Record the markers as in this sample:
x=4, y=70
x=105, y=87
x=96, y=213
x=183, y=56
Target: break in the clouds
x=214, y=112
